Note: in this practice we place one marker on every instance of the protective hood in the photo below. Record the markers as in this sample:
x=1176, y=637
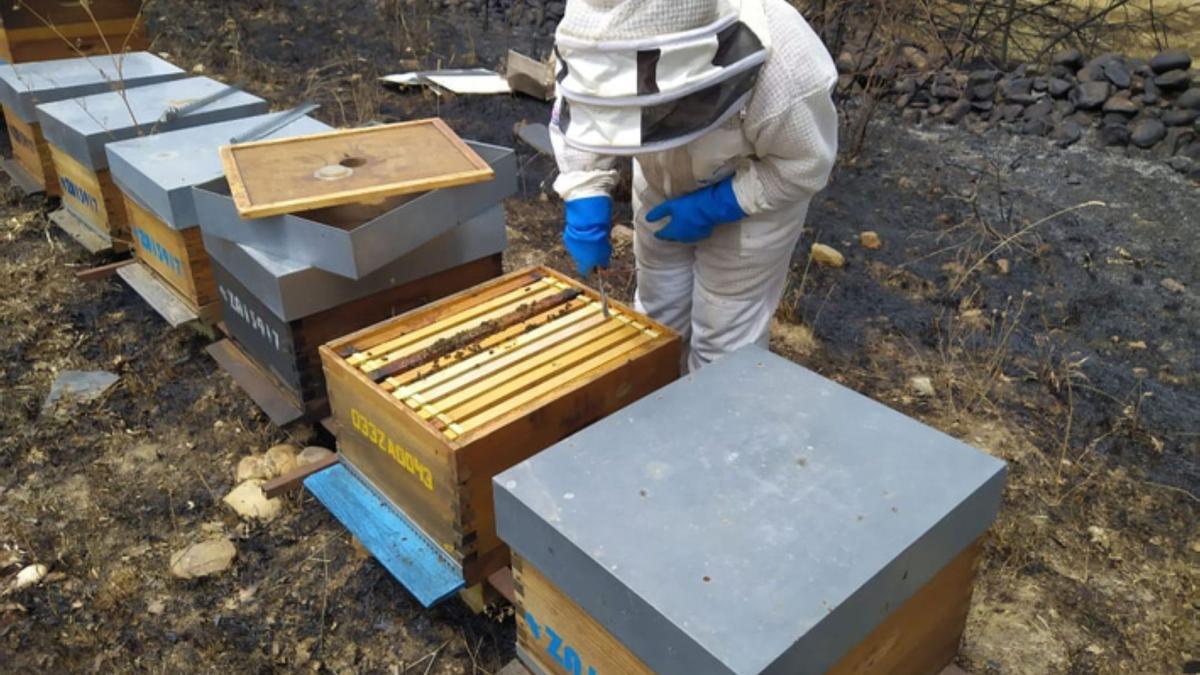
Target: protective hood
x=654, y=92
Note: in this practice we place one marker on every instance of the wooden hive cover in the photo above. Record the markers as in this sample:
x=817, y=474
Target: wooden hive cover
x=521, y=342
x=273, y=177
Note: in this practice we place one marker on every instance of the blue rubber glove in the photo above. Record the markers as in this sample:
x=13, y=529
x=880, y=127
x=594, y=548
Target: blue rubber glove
x=589, y=223
x=694, y=215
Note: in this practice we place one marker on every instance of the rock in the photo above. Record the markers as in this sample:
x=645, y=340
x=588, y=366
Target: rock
x=1189, y=99
x=30, y=575
x=1003, y=265
x=1018, y=86
x=983, y=76
x=1037, y=127
x=1181, y=164
x=956, y=111
x=1174, y=80
x=1040, y=84
x=1010, y=112
x=1179, y=138
x=1067, y=133
x=1191, y=151
x=827, y=256
x=905, y=86
x=1180, y=118
x=249, y=501
x=922, y=386
x=314, y=453
x=1059, y=88
x=982, y=106
x=1121, y=104
x=198, y=69
x=1040, y=110
x=1091, y=73
x=1114, y=135
x=1070, y=58
x=1170, y=59
x=1146, y=132
x=985, y=91
x=870, y=240
x=915, y=57
x=282, y=459
x=1173, y=285
x=1116, y=73
x=83, y=386
x=203, y=559
x=945, y=92
x=1090, y=95
x=253, y=467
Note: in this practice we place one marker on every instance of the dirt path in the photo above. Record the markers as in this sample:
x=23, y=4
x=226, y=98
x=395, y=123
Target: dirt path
x=1077, y=365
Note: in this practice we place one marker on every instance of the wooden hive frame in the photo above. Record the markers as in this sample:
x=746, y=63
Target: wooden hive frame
x=32, y=151
x=431, y=405
x=920, y=637
x=38, y=30
x=177, y=256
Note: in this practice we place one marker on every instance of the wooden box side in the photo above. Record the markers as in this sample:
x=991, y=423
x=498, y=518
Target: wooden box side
x=42, y=43
x=920, y=638
x=32, y=151
x=412, y=465
x=93, y=196
x=559, y=636
x=178, y=256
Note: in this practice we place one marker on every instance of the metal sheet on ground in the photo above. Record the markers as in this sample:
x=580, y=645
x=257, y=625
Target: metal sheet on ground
x=20, y=177
x=90, y=239
x=387, y=534
x=266, y=395
x=157, y=294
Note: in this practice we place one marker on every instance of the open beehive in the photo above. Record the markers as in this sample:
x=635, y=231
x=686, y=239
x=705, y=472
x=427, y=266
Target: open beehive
x=430, y=405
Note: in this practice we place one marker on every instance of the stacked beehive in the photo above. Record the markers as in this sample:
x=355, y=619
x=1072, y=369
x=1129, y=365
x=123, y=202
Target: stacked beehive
x=41, y=30
x=319, y=236
x=25, y=86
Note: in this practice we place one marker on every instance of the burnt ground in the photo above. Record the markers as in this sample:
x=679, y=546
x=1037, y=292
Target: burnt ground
x=1048, y=337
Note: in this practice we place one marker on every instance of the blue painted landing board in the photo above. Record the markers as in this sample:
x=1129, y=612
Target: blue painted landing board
x=417, y=564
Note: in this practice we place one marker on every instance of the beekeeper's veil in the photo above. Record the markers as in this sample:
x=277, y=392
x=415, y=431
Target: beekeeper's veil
x=648, y=75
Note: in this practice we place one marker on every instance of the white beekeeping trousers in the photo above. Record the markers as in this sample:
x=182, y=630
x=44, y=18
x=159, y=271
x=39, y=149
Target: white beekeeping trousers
x=721, y=293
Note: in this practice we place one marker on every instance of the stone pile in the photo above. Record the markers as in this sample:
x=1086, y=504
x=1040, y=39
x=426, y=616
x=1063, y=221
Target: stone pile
x=1152, y=106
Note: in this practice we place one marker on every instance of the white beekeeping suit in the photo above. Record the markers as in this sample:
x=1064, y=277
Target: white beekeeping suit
x=702, y=93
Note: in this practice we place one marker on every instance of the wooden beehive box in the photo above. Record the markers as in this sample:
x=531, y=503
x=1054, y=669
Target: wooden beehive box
x=753, y=518
x=40, y=30
x=432, y=404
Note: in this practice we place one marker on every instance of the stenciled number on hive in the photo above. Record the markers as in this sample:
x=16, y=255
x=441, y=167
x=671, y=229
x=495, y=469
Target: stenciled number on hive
x=78, y=193
x=151, y=245
x=403, y=457
x=563, y=654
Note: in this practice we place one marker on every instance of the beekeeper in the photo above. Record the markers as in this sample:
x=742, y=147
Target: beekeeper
x=726, y=108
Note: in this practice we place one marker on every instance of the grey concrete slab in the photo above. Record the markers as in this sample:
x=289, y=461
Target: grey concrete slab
x=356, y=240
x=160, y=170
x=293, y=290
x=83, y=126
x=24, y=86
x=750, y=518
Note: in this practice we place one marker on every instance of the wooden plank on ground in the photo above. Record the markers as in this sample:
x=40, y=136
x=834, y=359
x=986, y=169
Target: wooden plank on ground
x=277, y=405
x=288, y=175
x=103, y=271
x=294, y=480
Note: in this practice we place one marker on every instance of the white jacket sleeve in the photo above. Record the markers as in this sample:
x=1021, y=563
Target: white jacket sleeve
x=580, y=173
x=795, y=150
x=791, y=121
